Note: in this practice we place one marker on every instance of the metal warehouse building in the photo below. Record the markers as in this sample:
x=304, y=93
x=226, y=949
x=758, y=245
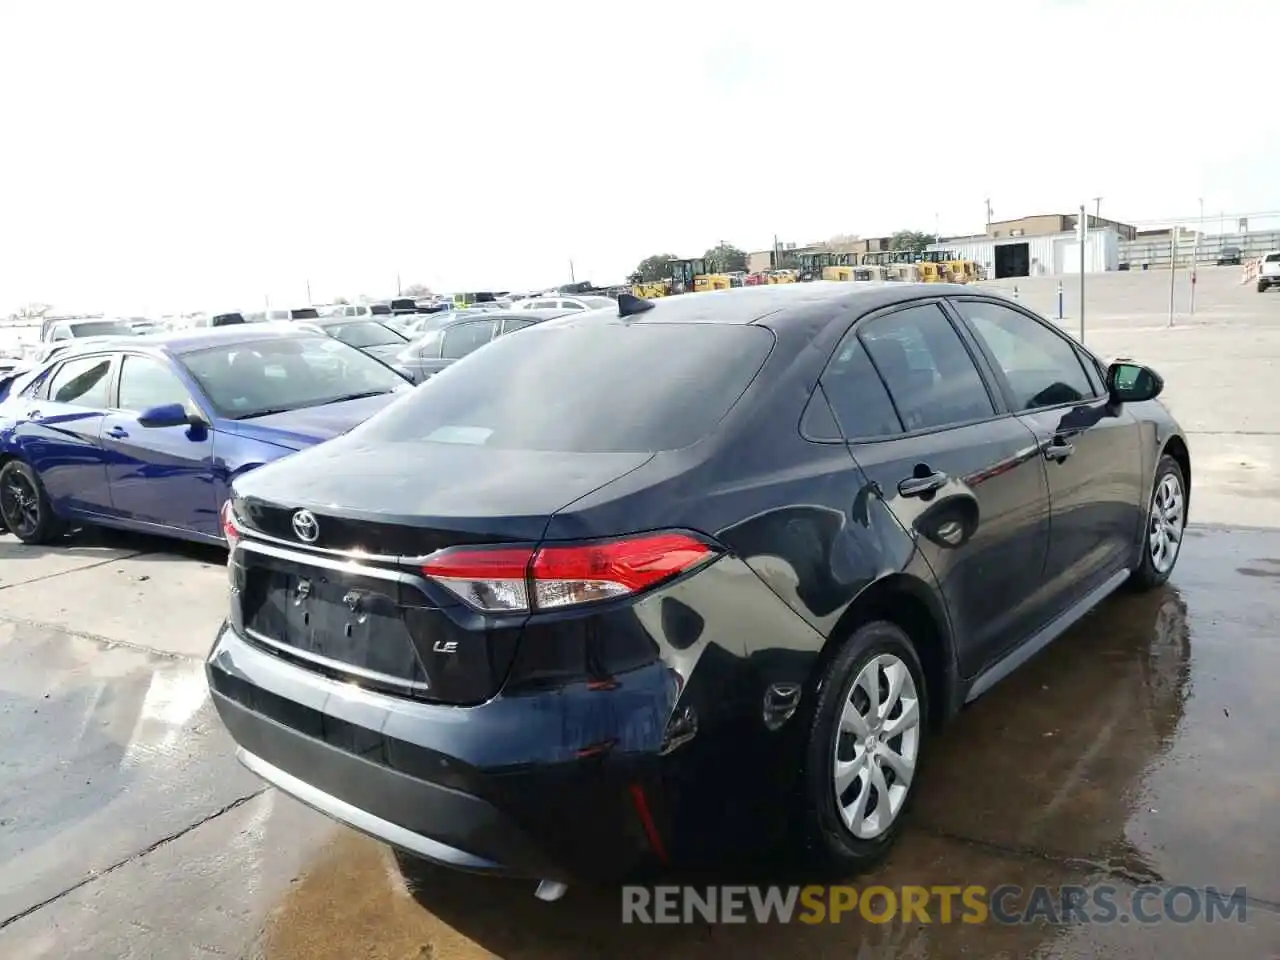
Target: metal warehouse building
x=1037, y=256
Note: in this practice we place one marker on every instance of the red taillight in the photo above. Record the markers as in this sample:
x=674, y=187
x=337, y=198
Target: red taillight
x=505, y=579
x=229, y=529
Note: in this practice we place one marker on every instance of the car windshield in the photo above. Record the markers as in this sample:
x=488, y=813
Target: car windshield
x=101, y=328
x=619, y=388
x=244, y=380
x=363, y=333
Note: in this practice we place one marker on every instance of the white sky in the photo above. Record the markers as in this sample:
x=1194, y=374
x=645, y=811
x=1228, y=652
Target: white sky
x=172, y=155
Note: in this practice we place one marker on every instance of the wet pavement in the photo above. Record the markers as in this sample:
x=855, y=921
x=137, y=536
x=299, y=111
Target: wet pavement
x=1137, y=750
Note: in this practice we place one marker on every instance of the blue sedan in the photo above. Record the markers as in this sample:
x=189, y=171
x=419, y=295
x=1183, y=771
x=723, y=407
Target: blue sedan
x=148, y=434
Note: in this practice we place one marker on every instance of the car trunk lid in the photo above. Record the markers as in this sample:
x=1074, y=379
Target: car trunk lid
x=341, y=588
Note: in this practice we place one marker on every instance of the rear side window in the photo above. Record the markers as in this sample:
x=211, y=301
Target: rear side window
x=857, y=395
x=82, y=381
x=466, y=338
x=578, y=387
x=924, y=364
x=512, y=324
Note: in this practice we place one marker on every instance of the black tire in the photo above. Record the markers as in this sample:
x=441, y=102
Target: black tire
x=30, y=519
x=829, y=841
x=1262, y=286
x=1147, y=576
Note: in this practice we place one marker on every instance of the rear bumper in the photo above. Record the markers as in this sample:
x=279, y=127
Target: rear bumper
x=499, y=788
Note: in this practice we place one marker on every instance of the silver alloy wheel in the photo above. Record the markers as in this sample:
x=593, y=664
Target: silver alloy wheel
x=1164, y=528
x=877, y=745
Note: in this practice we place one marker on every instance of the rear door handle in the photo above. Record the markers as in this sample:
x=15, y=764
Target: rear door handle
x=118, y=432
x=1058, y=449
x=919, y=486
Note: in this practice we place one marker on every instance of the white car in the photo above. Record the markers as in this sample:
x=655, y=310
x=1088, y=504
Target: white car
x=1269, y=271
x=555, y=301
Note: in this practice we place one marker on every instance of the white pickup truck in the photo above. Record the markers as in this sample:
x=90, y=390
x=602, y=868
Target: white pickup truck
x=1269, y=271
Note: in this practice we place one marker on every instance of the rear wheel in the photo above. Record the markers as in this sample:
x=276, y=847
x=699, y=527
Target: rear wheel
x=24, y=506
x=1166, y=522
x=1262, y=286
x=864, y=748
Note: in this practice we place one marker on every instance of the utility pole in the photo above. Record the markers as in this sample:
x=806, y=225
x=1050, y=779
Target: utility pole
x=1195, y=257
x=572, y=278
x=988, y=216
x=399, y=289
x=1084, y=236
x=308, y=292
x=1097, y=208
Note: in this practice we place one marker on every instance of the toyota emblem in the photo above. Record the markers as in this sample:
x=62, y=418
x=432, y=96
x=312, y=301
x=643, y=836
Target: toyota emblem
x=305, y=526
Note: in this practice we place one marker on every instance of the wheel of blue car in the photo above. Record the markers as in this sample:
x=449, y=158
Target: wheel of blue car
x=24, y=506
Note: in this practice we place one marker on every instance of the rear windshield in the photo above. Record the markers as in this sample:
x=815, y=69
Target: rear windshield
x=245, y=380
x=1273, y=257
x=101, y=328
x=584, y=388
x=363, y=333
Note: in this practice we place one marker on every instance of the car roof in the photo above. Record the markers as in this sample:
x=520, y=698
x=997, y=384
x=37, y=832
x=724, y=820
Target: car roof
x=462, y=316
x=768, y=304
x=188, y=341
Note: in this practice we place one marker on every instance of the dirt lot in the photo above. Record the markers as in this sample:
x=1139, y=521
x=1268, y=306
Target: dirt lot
x=1133, y=752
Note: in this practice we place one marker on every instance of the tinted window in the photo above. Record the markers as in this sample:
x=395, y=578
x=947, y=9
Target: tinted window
x=148, y=383
x=617, y=388
x=101, y=328
x=545, y=305
x=1042, y=367
x=598, y=303
x=924, y=363
x=82, y=381
x=1097, y=376
x=363, y=333
x=462, y=339
x=857, y=394
x=512, y=324
x=252, y=379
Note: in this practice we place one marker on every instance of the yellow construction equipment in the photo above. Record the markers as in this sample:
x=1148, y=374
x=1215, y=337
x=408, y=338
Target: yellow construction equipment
x=696, y=275
x=814, y=266
x=783, y=276
x=649, y=289
x=963, y=271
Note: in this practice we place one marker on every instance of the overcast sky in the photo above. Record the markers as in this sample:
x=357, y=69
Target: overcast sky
x=155, y=158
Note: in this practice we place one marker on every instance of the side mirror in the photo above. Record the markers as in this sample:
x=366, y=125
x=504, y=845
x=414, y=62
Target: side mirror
x=165, y=415
x=1130, y=382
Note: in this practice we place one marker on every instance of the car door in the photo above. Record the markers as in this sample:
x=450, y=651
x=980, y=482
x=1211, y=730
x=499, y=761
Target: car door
x=58, y=433
x=1091, y=449
x=158, y=475
x=962, y=475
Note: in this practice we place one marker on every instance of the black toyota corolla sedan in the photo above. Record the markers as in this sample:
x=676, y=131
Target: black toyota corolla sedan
x=592, y=589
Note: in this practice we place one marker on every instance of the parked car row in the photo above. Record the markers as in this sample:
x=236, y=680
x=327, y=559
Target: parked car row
x=605, y=577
